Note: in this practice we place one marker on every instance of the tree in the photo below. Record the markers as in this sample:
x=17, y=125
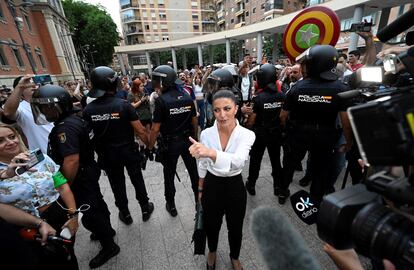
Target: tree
x=94, y=32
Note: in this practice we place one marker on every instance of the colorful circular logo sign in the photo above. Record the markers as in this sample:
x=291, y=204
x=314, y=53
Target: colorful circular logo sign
x=314, y=25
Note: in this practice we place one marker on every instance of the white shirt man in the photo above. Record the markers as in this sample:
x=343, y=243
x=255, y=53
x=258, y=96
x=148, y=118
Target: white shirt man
x=17, y=107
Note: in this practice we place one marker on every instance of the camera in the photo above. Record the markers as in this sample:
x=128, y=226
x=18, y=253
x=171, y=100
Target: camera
x=35, y=157
x=376, y=216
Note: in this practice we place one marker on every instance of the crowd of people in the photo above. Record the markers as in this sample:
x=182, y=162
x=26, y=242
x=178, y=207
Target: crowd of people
x=214, y=117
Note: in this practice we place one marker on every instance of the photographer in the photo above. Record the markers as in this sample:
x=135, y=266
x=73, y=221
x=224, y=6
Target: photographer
x=17, y=107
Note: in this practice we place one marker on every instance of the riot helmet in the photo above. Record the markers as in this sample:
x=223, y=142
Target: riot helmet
x=165, y=76
x=50, y=103
x=265, y=75
x=233, y=72
x=218, y=79
x=320, y=61
x=103, y=79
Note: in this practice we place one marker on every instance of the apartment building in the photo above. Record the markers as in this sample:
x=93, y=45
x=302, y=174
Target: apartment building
x=148, y=21
x=233, y=14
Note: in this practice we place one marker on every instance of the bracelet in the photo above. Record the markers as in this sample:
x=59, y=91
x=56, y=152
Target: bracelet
x=39, y=223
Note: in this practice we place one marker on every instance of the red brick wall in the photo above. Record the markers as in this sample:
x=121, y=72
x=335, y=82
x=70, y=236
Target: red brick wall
x=39, y=37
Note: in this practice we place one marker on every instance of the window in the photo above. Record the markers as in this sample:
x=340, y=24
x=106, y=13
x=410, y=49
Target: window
x=3, y=58
x=194, y=4
x=164, y=26
x=165, y=38
x=155, y=26
x=254, y=10
x=29, y=25
x=195, y=17
x=144, y=14
x=152, y=15
x=125, y=3
x=127, y=15
x=162, y=15
x=147, y=27
x=156, y=38
x=30, y=55
x=232, y=9
x=247, y=14
x=263, y=6
x=40, y=57
x=2, y=13
x=160, y=2
x=196, y=26
x=17, y=56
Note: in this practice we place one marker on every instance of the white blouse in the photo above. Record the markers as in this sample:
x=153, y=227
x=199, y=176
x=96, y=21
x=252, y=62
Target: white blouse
x=231, y=161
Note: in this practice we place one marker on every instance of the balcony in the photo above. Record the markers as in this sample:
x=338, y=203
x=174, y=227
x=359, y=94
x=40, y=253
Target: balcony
x=237, y=1
x=221, y=21
x=220, y=14
x=131, y=32
x=240, y=24
x=130, y=19
x=239, y=12
x=218, y=1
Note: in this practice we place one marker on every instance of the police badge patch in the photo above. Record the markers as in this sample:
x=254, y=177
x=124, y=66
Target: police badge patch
x=62, y=137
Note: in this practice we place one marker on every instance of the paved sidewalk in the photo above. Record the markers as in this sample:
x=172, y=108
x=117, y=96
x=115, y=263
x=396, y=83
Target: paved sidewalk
x=164, y=242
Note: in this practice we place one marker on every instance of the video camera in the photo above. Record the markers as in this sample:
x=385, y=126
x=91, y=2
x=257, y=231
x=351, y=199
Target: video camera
x=376, y=217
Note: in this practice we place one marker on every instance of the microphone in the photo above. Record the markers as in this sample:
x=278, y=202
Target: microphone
x=281, y=245
x=398, y=26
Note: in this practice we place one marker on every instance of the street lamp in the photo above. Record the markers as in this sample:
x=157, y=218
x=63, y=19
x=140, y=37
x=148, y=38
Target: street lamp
x=17, y=21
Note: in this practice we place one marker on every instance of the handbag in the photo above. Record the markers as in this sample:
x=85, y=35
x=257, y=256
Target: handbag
x=199, y=235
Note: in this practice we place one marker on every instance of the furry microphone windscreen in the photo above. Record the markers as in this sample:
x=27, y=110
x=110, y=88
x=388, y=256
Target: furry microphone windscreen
x=281, y=245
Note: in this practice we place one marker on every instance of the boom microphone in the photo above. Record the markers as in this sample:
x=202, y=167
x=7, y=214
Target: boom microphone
x=398, y=26
x=281, y=245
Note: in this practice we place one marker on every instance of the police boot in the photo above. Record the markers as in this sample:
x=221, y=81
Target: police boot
x=147, y=211
x=305, y=181
x=170, y=206
x=250, y=188
x=109, y=250
x=125, y=216
x=283, y=195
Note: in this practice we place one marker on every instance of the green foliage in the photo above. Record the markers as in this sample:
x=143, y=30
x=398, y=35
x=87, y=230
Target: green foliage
x=91, y=25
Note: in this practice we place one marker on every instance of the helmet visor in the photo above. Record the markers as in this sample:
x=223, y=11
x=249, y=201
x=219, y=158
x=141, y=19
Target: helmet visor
x=45, y=110
x=212, y=84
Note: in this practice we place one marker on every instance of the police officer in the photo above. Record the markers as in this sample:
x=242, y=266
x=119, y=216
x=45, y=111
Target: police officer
x=114, y=121
x=176, y=119
x=265, y=123
x=218, y=80
x=312, y=106
x=69, y=146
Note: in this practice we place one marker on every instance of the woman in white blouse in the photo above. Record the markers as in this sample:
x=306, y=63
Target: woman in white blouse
x=222, y=152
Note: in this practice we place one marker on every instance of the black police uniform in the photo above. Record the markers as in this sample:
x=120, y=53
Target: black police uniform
x=313, y=104
x=69, y=136
x=111, y=118
x=267, y=106
x=174, y=109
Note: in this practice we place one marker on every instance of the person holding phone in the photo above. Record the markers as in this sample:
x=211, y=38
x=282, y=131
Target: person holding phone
x=41, y=191
x=17, y=108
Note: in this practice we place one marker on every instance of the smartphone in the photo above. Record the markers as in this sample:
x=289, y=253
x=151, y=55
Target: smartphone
x=35, y=157
x=42, y=79
x=360, y=27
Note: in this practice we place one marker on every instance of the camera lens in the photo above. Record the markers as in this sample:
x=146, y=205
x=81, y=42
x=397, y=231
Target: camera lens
x=381, y=233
